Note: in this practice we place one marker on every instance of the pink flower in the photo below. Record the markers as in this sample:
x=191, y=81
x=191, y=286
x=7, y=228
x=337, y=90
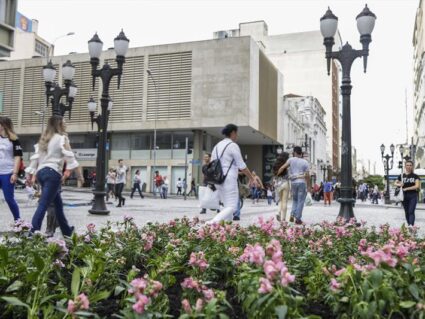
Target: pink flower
x=340, y=272
x=71, y=306
x=84, y=301
x=208, y=294
x=286, y=279
x=334, y=285
x=140, y=305
x=198, y=259
x=199, y=305
x=273, y=247
x=58, y=263
x=265, y=286
x=139, y=283
x=91, y=228
x=190, y=283
x=270, y=269
x=186, y=306
x=402, y=251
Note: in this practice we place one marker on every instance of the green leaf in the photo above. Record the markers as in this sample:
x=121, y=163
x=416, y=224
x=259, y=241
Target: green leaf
x=407, y=304
x=99, y=296
x=75, y=283
x=281, y=311
x=15, y=302
x=413, y=288
x=39, y=262
x=118, y=290
x=15, y=286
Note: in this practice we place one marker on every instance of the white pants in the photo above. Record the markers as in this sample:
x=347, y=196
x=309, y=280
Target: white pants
x=229, y=196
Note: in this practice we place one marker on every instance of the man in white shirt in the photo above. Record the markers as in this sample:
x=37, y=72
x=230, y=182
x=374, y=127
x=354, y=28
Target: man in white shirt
x=120, y=182
x=229, y=154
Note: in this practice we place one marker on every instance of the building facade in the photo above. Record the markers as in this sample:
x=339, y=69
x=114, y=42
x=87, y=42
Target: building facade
x=303, y=123
x=7, y=26
x=419, y=85
x=300, y=58
x=200, y=87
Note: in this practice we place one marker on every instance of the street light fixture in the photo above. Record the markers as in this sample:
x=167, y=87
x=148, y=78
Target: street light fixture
x=388, y=165
x=346, y=56
x=106, y=73
x=54, y=92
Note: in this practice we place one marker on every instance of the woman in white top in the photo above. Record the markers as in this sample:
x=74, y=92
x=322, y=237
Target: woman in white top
x=10, y=159
x=110, y=183
x=164, y=187
x=51, y=152
x=229, y=154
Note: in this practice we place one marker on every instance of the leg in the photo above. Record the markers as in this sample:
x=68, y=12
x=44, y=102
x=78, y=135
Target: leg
x=302, y=193
x=9, y=195
x=50, y=185
x=60, y=216
x=229, y=194
x=294, y=199
x=284, y=202
x=140, y=191
x=411, y=209
x=133, y=190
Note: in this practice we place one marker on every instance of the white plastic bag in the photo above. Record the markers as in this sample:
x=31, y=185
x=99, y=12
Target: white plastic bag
x=400, y=196
x=208, y=198
x=308, y=200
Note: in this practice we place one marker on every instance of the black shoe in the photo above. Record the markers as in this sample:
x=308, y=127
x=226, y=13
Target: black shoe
x=131, y=197
x=291, y=219
x=119, y=205
x=298, y=222
x=236, y=218
x=123, y=201
x=203, y=212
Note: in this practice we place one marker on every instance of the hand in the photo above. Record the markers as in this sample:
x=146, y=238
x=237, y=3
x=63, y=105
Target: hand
x=66, y=175
x=13, y=178
x=30, y=179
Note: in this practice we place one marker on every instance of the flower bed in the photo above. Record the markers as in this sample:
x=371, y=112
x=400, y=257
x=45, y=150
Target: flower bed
x=186, y=270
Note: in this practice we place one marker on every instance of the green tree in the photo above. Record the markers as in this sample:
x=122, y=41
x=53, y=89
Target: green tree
x=373, y=180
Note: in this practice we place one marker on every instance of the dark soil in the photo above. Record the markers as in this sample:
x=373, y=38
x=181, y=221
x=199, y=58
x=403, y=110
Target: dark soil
x=174, y=294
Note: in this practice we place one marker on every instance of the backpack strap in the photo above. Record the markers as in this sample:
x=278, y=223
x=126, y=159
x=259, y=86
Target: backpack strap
x=233, y=160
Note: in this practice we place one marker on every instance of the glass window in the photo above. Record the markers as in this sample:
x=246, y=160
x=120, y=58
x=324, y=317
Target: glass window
x=120, y=147
x=83, y=141
x=141, y=141
x=40, y=48
x=179, y=144
x=163, y=140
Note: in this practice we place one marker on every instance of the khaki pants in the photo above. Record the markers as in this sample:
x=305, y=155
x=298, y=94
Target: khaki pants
x=283, y=203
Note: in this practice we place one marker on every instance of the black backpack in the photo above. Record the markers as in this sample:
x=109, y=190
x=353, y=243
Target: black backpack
x=214, y=172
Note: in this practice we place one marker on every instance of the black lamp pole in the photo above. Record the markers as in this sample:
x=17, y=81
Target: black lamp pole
x=106, y=73
x=323, y=168
x=54, y=92
x=346, y=56
x=388, y=165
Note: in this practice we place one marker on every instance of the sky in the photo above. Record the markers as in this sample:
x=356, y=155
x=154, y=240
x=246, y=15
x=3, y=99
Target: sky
x=378, y=107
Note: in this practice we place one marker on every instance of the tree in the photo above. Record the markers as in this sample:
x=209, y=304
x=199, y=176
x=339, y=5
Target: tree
x=373, y=180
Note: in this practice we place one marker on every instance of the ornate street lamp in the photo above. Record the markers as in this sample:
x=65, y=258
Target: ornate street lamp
x=54, y=92
x=346, y=56
x=106, y=73
x=388, y=165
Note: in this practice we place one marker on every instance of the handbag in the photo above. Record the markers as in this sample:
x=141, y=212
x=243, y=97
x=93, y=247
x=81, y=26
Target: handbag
x=208, y=198
x=398, y=195
x=308, y=200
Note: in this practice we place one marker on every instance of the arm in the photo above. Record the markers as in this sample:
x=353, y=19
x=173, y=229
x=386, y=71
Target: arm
x=282, y=168
x=398, y=182
x=414, y=187
x=16, y=165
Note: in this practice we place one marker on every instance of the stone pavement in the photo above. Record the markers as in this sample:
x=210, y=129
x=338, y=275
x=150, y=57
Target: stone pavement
x=159, y=210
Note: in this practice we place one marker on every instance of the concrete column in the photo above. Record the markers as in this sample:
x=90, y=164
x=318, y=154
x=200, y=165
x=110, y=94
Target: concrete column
x=149, y=178
x=197, y=155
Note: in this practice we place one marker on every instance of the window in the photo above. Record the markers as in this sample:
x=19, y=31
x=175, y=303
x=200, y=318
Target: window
x=141, y=142
x=8, y=11
x=41, y=48
x=2, y=11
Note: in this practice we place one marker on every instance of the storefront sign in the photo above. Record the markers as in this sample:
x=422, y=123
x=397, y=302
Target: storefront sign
x=85, y=154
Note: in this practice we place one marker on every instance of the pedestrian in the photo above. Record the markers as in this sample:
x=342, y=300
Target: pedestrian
x=256, y=186
x=120, y=182
x=110, y=183
x=269, y=195
x=10, y=161
x=157, y=182
x=375, y=195
x=300, y=182
x=179, y=186
x=192, y=188
x=164, y=187
x=46, y=166
x=207, y=160
x=282, y=185
x=230, y=157
x=327, y=192
x=337, y=188
x=411, y=185
x=137, y=180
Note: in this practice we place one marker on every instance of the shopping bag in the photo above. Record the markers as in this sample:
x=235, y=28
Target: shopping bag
x=398, y=196
x=308, y=200
x=208, y=198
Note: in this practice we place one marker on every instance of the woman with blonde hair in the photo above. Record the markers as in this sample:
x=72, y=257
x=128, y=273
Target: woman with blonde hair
x=51, y=152
x=282, y=185
x=10, y=160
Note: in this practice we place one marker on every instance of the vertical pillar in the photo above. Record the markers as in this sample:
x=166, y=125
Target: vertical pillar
x=197, y=155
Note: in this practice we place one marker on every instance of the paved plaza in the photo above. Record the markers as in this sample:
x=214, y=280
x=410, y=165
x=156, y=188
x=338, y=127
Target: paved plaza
x=152, y=209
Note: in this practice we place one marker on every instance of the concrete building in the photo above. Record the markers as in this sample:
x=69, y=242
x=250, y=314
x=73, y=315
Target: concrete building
x=28, y=43
x=303, y=123
x=7, y=26
x=419, y=85
x=300, y=57
x=200, y=87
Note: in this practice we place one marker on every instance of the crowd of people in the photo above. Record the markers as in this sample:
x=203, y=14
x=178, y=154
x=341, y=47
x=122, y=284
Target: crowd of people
x=224, y=171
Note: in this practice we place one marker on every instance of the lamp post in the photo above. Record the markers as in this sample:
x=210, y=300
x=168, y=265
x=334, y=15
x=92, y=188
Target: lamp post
x=388, y=165
x=106, y=73
x=323, y=168
x=346, y=56
x=54, y=92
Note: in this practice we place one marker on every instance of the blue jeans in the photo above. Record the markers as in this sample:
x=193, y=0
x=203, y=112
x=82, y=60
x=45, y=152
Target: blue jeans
x=9, y=194
x=299, y=192
x=238, y=211
x=269, y=200
x=409, y=204
x=50, y=182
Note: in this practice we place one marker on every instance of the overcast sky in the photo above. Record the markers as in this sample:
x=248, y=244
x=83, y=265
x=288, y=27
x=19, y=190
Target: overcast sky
x=378, y=97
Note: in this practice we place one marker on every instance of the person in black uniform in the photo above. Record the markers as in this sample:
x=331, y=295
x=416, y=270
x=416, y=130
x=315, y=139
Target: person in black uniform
x=411, y=184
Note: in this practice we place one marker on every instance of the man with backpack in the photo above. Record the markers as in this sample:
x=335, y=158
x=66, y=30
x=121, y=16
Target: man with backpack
x=223, y=172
